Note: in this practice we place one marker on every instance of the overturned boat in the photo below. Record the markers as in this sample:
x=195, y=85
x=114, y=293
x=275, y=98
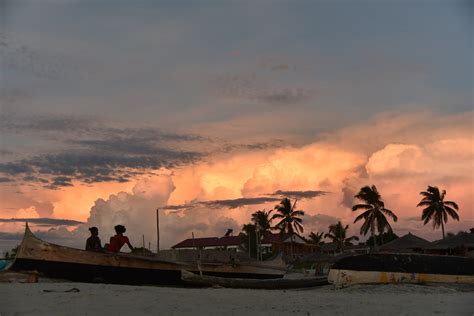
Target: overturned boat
x=383, y=268
x=57, y=261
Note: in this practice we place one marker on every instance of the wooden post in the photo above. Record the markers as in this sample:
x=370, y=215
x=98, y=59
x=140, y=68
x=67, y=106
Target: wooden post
x=143, y=240
x=157, y=230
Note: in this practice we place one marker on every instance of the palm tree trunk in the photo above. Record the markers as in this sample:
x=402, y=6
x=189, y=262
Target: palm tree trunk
x=373, y=238
x=442, y=227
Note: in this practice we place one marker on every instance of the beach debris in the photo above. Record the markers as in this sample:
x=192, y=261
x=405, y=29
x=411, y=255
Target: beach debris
x=73, y=290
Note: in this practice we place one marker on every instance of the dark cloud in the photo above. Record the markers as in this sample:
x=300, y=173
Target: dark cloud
x=253, y=146
x=95, y=167
x=240, y=202
x=42, y=221
x=61, y=182
x=285, y=96
x=94, y=152
x=231, y=203
x=299, y=194
x=90, y=131
x=251, y=88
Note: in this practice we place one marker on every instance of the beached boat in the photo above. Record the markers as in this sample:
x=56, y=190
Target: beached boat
x=401, y=268
x=238, y=283
x=79, y=265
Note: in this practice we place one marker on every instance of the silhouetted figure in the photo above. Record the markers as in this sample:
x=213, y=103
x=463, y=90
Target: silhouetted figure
x=117, y=241
x=93, y=242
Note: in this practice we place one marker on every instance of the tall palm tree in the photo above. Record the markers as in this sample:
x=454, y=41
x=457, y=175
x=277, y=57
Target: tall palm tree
x=262, y=222
x=374, y=212
x=290, y=219
x=338, y=234
x=437, y=209
x=315, y=238
x=248, y=236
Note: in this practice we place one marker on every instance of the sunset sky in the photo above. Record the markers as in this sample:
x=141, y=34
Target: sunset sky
x=110, y=109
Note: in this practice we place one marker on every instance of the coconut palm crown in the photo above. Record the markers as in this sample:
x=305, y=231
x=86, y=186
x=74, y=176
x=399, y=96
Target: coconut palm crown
x=338, y=234
x=290, y=219
x=315, y=238
x=262, y=220
x=436, y=208
x=374, y=212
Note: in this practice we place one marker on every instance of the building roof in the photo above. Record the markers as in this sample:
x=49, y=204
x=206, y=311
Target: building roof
x=270, y=238
x=209, y=242
x=408, y=241
x=461, y=239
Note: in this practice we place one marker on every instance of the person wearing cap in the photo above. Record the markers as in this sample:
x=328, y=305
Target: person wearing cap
x=93, y=242
x=117, y=241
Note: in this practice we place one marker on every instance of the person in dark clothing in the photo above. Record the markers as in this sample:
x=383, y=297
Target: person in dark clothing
x=117, y=241
x=93, y=242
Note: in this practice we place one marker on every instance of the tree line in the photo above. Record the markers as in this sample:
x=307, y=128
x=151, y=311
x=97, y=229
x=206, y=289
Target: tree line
x=375, y=218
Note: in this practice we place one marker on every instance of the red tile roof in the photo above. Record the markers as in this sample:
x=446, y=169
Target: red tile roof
x=209, y=242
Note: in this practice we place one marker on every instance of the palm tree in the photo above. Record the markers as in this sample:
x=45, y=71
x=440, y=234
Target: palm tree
x=337, y=233
x=290, y=219
x=262, y=220
x=248, y=236
x=437, y=209
x=315, y=238
x=374, y=212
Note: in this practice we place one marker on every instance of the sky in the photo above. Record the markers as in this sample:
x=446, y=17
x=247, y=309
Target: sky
x=212, y=110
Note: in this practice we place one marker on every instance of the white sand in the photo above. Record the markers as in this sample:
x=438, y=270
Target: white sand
x=103, y=299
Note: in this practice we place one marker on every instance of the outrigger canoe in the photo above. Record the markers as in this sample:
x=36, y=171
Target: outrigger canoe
x=86, y=266
x=383, y=268
x=237, y=283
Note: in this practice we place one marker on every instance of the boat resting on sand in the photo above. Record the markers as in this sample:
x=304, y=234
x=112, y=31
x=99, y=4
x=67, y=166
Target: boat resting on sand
x=79, y=265
x=383, y=268
x=236, y=283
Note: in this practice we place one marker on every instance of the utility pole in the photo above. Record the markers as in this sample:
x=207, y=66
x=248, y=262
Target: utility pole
x=157, y=230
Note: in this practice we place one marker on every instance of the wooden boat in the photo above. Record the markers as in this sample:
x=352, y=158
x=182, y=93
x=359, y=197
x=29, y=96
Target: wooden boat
x=79, y=265
x=270, y=284
x=383, y=268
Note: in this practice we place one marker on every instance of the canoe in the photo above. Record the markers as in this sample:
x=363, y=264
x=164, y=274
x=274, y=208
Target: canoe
x=384, y=268
x=238, y=283
x=73, y=264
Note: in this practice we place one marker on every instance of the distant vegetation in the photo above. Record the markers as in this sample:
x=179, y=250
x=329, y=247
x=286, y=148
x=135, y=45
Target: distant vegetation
x=375, y=218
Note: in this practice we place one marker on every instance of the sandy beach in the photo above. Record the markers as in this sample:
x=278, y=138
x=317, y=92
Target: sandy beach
x=105, y=299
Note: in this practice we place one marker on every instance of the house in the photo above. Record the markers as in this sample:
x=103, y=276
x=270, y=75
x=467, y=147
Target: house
x=286, y=243
x=405, y=244
x=460, y=244
x=223, y=243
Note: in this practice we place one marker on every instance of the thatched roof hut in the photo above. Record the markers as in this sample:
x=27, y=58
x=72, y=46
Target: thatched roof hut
x=462, y=239
x=406, y=243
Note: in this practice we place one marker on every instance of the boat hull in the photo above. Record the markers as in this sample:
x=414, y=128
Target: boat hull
x=79, y=265
x=243, y=283
x=401, y=268
x=344, y=278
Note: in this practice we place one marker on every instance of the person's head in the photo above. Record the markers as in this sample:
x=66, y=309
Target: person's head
x=120, y=229
x=94, y=231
